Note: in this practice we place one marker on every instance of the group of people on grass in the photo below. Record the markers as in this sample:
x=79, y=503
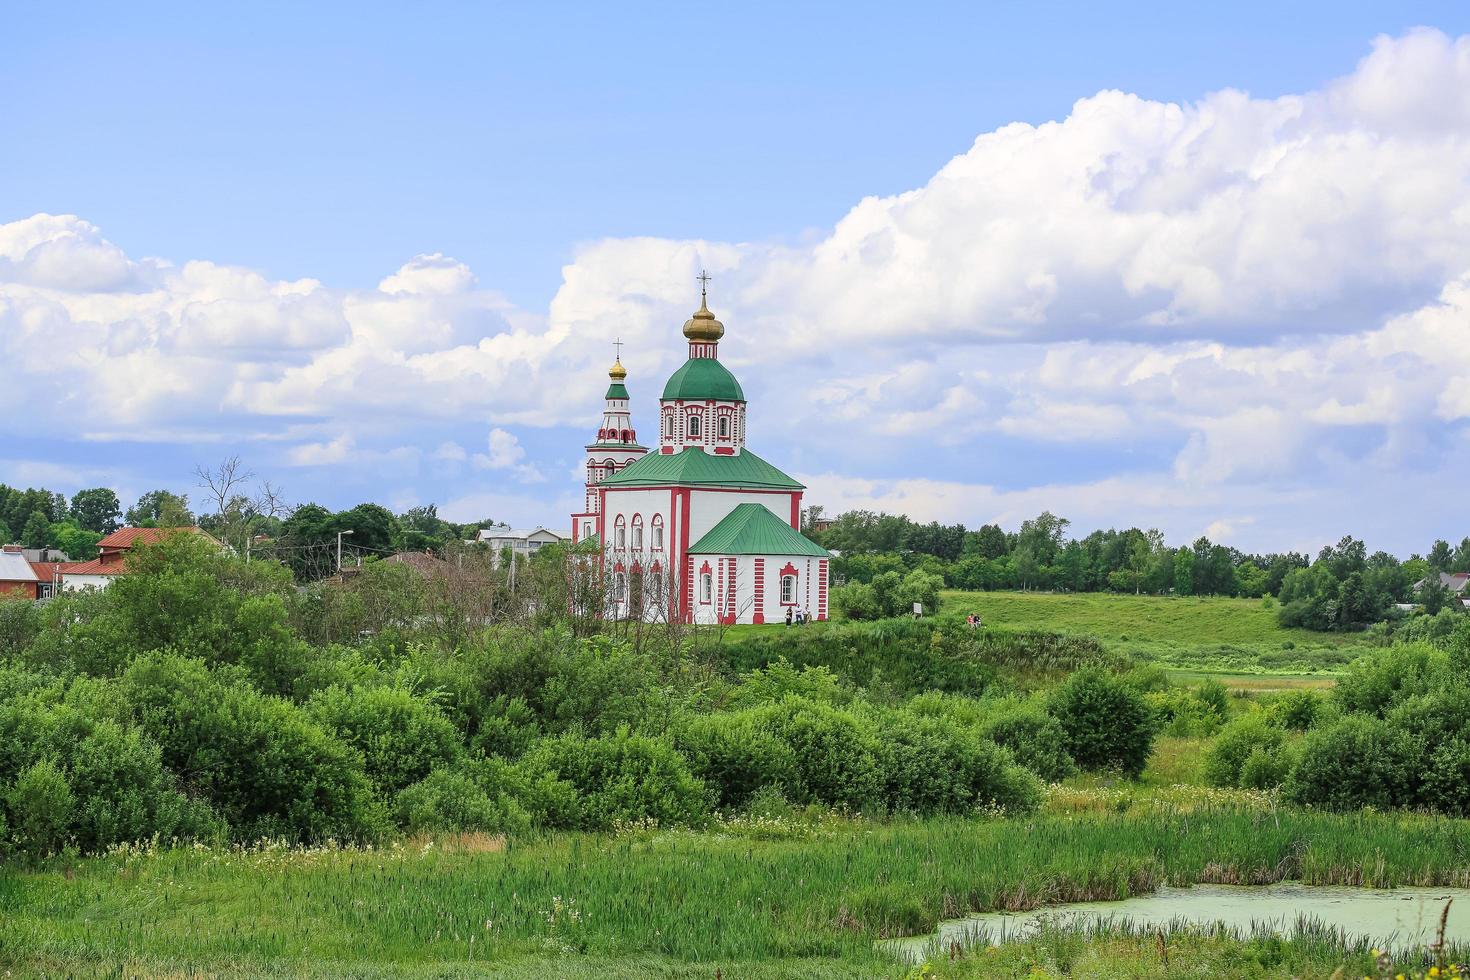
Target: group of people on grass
x=796, y=616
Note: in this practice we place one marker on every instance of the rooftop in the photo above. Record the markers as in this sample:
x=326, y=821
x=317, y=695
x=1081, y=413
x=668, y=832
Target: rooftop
x=694, y=467
x=701, y=379
x=14, y=567
x=751, y=529
x=126, y=537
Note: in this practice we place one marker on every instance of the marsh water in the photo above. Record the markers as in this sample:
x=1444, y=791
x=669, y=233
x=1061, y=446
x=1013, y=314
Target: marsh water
x=1399, y=918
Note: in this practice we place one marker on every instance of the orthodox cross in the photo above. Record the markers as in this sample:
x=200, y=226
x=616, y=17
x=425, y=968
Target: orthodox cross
x=618, y=345
x=703, y=278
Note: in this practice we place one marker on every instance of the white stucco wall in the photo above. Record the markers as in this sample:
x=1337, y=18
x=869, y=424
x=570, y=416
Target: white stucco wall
x=745, y=604
x=708, y=508
x=72, y=583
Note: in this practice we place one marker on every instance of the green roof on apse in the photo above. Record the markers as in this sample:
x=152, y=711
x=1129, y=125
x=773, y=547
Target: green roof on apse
x=703, y=378
x=694, y=467
x=751, y=529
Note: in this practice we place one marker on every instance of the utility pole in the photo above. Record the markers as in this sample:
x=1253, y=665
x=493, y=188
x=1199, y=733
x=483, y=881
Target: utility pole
x=339, y=550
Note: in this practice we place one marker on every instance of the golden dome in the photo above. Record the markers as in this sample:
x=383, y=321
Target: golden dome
x=703, y=325
x=617, y=372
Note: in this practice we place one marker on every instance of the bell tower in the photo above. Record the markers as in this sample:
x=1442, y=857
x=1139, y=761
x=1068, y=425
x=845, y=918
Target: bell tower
x=615, y=447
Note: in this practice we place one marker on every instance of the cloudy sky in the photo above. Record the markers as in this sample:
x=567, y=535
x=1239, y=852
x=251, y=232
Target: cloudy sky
x=1209, y=275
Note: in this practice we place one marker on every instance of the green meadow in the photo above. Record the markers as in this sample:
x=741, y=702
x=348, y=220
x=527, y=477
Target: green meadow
x=789, y=896
x=194, y=783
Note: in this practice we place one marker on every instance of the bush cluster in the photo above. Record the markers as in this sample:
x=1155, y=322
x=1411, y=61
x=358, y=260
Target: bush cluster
x=1392, y=733
x=184, y=703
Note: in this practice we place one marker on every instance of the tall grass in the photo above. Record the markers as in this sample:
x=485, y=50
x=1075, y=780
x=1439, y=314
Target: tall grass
x=821, y=895
x=906, y=656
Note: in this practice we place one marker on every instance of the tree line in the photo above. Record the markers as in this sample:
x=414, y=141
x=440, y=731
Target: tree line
x=250, y=517
x=1342, y=587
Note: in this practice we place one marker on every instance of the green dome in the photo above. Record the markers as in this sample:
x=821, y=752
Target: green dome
x=703, y=378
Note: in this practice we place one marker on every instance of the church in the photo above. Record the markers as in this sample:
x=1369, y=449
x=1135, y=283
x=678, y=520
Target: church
x=701, y=530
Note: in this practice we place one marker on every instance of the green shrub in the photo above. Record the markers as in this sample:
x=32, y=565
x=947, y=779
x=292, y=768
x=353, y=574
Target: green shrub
x=401, y=736
x=507, y=729
x=261, y=761
x=1375, y=683
x=774, y=681
x=1296, y=710
x=1213, y=697
x=1178, y=712
x=1036, y=740
x=1359, y=761
x=1226, y=757
x=832, y=752
x=927, y=767
x=619, y=778
x=453, y=801
x=1264, y=769
x=1446, y=779
x=901, y=657
x=597, y=686
x=1108, y=723
x=39, y=806
x=854, y=601
x=735, y=756
x=121, y=789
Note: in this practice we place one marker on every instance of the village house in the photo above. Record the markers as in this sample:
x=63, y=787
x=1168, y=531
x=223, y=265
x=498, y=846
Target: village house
x=1456, y=583
x=522, y=542
x=17, y=578
x=112, y=554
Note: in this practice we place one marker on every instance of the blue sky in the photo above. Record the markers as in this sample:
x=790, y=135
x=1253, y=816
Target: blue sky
x=336, y=140
x=579, y=162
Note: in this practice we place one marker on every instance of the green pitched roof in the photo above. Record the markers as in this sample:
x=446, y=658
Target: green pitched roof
x=751, y=529
x=703, y=378
x=616, y=390
x=694, y=467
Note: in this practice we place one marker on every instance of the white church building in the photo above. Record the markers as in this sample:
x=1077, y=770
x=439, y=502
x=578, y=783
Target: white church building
x=702, y=530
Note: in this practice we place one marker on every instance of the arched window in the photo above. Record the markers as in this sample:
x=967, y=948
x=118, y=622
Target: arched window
x=586, y=529
x=620, y=533
x=656, y=588
x=788, y=590
x=706, y=588
x=658, y=532
x=637, y=532
x=724, y=426
x=620, y=587
x=694, y=426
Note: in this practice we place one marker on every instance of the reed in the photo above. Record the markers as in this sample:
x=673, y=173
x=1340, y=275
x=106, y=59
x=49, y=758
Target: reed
x=817, y=894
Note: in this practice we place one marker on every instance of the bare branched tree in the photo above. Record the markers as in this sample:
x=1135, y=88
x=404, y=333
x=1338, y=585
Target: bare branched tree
x=223, y=482
x=270, y=501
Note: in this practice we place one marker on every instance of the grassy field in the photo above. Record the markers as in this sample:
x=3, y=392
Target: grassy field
x=754, y=898
x=1235, y=641
x=1231, y=638
x=1148, y=619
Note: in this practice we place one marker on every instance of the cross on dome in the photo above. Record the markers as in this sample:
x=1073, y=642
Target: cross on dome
x=617, y=372
x=702, y=327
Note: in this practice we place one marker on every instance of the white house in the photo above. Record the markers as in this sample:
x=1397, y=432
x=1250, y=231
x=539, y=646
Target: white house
x=522, y=541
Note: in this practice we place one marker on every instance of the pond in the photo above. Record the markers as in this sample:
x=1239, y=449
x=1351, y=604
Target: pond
x=1397, y=919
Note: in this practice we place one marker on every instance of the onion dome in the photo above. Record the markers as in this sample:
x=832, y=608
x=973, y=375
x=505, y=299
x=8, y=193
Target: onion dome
x=702, y=326
x=617, y=372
